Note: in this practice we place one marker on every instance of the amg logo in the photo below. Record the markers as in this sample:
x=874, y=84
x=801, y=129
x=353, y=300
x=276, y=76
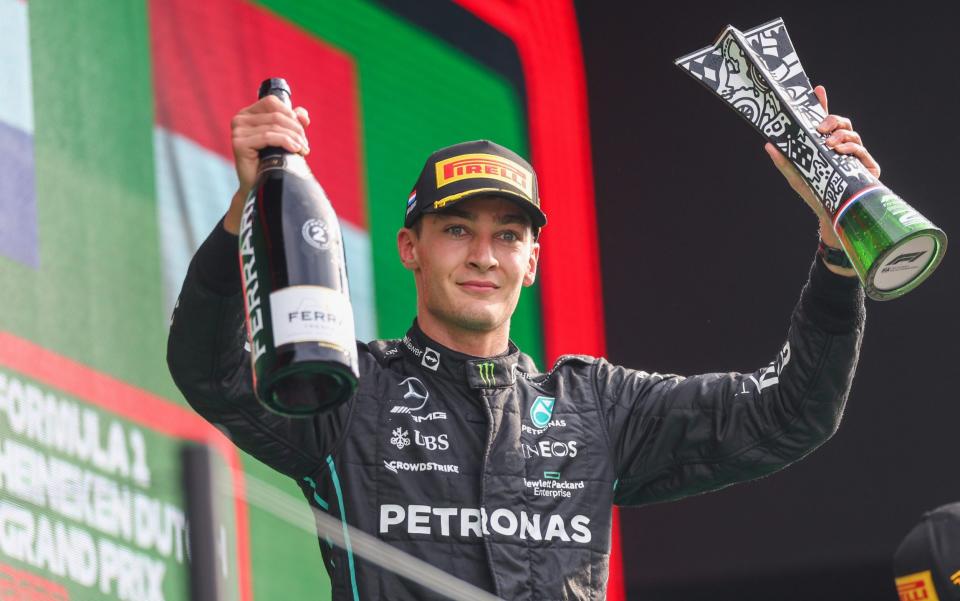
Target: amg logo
x=428, y=417
x=464, y=522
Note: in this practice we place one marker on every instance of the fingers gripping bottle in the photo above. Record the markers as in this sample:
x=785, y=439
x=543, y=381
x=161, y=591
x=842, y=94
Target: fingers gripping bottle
x=298, y=313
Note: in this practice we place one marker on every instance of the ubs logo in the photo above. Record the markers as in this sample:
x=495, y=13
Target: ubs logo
x=416, y=392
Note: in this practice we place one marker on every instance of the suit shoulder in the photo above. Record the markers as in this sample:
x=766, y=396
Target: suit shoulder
x=382, y=351
x=563, y=365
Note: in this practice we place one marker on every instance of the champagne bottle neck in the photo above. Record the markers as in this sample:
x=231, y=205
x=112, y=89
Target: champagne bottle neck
x=271, y=151
x=294, y=163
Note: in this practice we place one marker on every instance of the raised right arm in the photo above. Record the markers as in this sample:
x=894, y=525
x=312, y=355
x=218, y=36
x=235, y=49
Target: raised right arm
x=205, y=350
x=208, y=362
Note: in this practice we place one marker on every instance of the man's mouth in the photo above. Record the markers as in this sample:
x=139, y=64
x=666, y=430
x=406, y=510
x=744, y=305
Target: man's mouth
x=478, y=285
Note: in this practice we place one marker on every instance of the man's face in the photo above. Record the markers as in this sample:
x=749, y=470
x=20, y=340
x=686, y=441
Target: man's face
x=471, y=261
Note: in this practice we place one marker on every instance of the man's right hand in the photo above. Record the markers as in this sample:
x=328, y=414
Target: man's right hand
x=267, y=122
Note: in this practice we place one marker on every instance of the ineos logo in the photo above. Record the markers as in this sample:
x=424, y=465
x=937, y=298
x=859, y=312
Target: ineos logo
x=415, y=391
x=550, y=448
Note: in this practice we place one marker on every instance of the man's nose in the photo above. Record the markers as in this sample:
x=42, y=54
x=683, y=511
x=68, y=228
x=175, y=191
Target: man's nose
x=481, y=255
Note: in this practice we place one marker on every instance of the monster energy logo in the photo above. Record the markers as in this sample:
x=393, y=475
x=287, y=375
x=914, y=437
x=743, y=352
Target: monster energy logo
x=486, y=373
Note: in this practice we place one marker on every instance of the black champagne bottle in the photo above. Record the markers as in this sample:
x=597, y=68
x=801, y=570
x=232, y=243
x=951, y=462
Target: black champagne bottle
x=298, y=313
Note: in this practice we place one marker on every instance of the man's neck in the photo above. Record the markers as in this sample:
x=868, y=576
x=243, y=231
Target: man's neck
x=469, y=342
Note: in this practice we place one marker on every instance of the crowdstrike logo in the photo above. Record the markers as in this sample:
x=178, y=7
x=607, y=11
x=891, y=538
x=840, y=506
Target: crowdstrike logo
x=416, y=391
x=423, y=466
x=471, y=522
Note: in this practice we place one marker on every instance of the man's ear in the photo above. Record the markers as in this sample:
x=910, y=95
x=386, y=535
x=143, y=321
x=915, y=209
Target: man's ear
x=406, y=246
x=531, y=275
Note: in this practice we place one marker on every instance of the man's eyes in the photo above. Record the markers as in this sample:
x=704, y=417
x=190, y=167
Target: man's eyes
x=459, y=231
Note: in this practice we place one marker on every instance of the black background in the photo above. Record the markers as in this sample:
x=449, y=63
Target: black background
x=704, y=250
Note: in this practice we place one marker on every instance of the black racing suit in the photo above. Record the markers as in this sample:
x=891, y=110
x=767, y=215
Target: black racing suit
x=500, y=474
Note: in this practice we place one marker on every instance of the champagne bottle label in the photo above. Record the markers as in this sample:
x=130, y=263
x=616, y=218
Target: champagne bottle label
x=251, y=282
x=312, y=314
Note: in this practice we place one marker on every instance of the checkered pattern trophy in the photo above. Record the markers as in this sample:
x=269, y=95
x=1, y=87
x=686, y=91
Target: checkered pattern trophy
x=892, y=246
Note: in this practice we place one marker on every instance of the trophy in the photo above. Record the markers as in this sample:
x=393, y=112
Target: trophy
x=893, y=247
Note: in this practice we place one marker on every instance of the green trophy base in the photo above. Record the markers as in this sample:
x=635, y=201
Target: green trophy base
x=892, y=247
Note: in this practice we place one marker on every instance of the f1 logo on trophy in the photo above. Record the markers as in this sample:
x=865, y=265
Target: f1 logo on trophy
x=892, y=246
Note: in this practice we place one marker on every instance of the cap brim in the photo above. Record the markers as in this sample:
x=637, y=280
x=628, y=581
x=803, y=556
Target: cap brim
x=537, y=217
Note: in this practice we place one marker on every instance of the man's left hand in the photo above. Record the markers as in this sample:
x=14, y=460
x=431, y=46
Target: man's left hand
x=841, y=138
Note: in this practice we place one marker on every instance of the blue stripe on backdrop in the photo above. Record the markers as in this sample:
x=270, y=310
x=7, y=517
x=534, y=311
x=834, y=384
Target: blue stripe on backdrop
x=18, y=203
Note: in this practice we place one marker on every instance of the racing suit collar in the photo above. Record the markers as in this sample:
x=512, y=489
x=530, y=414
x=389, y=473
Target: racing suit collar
x=478, y=372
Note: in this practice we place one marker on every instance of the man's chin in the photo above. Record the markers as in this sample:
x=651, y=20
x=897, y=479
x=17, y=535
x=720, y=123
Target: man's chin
x=479, y=321
x=477, y=324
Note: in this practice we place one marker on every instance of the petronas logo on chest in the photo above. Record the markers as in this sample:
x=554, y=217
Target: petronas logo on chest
x=541, y=411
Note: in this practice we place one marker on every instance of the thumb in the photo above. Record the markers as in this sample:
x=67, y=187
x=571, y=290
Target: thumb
x=779, y=161
x=821, y=93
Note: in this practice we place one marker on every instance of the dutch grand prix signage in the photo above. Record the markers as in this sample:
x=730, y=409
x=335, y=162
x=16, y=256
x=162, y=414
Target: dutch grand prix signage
x=90, y=501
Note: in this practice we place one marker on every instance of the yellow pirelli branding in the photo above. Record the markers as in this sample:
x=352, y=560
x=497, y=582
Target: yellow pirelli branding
x=917, y=587
x=487, y=166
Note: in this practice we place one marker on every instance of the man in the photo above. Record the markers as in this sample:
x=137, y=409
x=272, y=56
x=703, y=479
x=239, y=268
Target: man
x=456, y=448
x=926, y=565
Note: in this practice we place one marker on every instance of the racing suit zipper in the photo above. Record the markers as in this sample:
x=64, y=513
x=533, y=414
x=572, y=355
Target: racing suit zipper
x=488, y=413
